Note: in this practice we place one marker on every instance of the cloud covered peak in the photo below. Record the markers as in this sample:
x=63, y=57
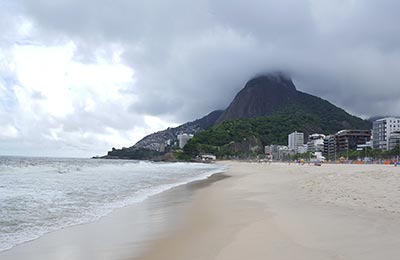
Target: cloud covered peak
x=189, y=58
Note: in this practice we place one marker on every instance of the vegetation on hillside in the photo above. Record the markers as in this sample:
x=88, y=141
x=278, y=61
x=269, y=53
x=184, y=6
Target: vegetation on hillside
x=272, y=129
x=332, y=118
x=135, y=154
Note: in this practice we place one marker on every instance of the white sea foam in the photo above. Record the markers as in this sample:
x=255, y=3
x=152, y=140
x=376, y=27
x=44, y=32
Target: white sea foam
x=40, y=195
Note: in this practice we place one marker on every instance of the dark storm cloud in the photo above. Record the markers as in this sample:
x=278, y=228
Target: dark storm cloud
x=191, y=57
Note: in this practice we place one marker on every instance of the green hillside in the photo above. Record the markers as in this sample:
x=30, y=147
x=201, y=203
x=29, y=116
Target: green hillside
x=272, y=129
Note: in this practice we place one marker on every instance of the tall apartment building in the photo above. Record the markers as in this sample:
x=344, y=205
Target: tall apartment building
x=330, y=147
x=295, y=140
x=381, y=131
x=345, y=140
x=349, y=139
x=394, y=140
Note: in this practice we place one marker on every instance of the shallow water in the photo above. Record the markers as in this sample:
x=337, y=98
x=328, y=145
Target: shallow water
x=40, y=195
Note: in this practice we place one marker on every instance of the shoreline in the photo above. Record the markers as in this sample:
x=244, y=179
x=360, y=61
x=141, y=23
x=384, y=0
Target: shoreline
x=277, y=212
x=250, y=211
x=157, y=212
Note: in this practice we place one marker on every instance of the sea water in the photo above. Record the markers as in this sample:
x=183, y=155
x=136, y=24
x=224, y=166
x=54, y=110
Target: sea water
x=40, y=195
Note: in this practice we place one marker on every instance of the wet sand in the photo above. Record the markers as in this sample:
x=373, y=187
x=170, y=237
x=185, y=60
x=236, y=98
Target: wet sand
x=282, y=211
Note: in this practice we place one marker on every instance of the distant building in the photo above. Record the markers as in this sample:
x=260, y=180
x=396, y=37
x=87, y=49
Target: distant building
x=285, y=153
x=317, y=157
x=162, y=148
x=279, y=152
x=394, y=140
x=381, y=131
x=315, y=143
x=366, y=145
x=330, y=147
x=273, y=151
x=183, y=139
x=295, y=140
x=302, y=148
x=349, y=139
x=208, y=157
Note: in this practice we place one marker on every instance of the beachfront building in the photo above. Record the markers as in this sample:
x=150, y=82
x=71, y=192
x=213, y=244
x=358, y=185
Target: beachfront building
x=285, y=153
x=273, y=151
x=381, y=131
x=330, y=147
x=183, y=139
x=349, y=139
x=315, y=143
x=394, y=140
x=278, y=152
x=295, y=140
x=302, y=148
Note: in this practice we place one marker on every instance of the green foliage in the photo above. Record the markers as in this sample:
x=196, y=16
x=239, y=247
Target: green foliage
x=370, y=153
x=137, y=154
x=331, y=118
x=272, y=129
x=308, y=117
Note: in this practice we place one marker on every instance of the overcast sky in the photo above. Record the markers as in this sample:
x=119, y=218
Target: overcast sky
x=79, y=77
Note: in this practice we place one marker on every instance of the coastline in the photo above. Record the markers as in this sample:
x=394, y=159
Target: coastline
x=276, y=212
x=250, y=211
x=123, y=233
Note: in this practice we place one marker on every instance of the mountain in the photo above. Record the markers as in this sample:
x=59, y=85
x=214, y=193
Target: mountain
x=153, y=141
x=261, y=96
x=272, y=95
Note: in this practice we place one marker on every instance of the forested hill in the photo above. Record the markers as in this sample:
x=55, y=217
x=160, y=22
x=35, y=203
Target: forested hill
x=272, y=93
x=244, y=136
x=266, y=110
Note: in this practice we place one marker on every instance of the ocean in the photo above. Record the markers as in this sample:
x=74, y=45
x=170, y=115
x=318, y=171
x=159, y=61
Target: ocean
x=41, y=195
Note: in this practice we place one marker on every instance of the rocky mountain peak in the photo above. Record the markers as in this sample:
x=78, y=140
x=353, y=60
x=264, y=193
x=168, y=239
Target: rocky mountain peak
x=270, y=80
x=261, y=96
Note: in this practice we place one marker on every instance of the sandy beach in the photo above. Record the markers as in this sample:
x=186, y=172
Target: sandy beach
x=282, y=211
x=252, y=211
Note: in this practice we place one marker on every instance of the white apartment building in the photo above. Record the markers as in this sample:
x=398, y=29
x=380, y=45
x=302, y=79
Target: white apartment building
x=295, y=140
x=183, y=139
x=278, y=152
x=381, y=131
x=315, y=143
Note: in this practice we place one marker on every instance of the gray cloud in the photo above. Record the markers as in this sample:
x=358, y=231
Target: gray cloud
x=191, y=57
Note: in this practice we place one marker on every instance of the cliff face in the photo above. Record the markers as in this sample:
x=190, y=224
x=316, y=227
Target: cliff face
x=274, y=93
x=261, y=96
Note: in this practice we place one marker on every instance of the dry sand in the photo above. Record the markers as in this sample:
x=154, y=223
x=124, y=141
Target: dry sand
x=282, y=211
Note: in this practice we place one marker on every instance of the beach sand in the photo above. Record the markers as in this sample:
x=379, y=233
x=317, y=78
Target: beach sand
x=262, y=211
x=281, y=211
